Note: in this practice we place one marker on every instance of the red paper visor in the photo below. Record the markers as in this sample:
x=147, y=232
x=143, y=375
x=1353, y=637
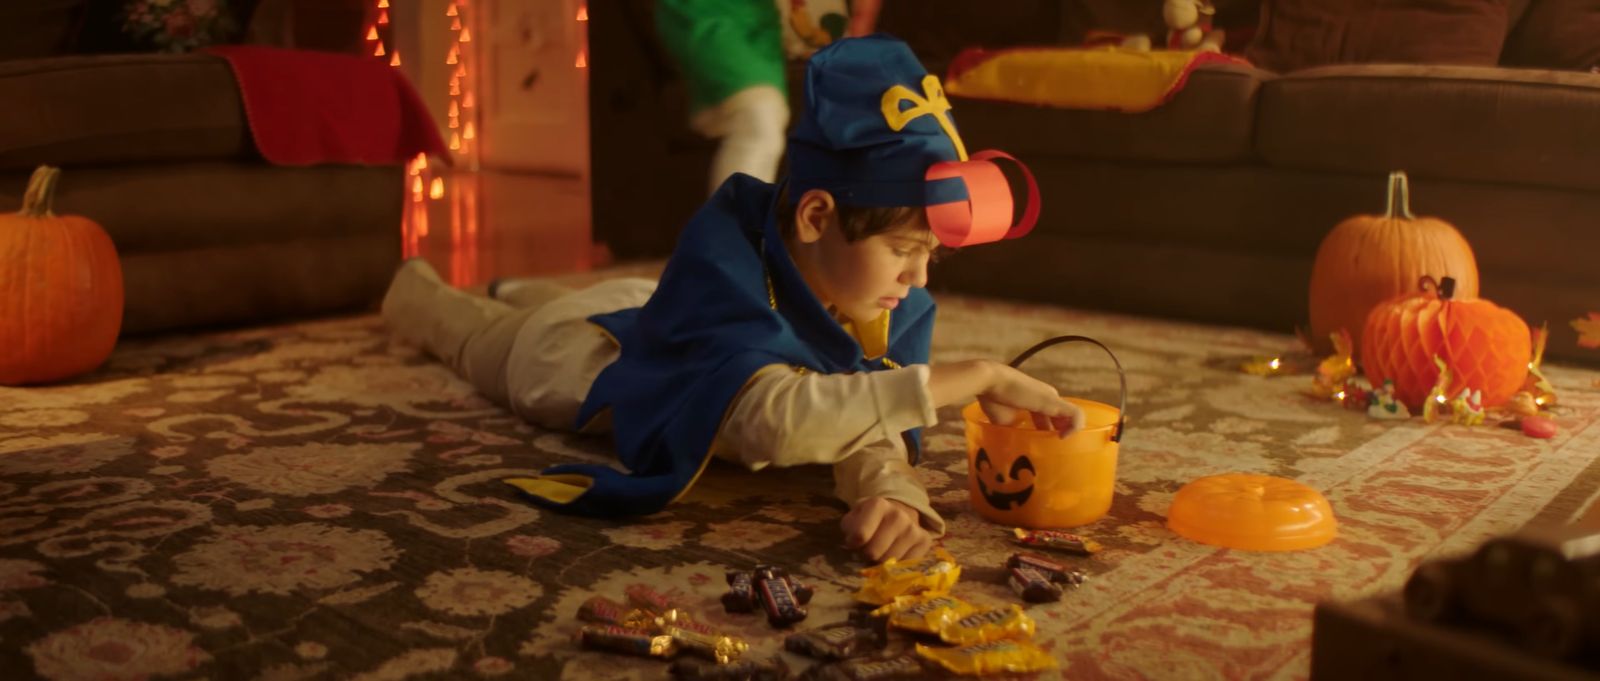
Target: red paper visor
x=985, y=215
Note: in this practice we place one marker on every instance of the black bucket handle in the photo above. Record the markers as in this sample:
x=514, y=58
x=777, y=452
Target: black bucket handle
x=1122, y=407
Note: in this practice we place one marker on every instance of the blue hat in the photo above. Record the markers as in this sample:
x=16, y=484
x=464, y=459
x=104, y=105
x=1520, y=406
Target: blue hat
x=877, y=131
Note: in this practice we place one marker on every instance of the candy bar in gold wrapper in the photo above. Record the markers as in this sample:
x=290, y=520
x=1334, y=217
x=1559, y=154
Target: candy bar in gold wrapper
x=934, y=573
x=925, y=613
x=989, y=625
x=1057, y=540
x=1013, y=656
x=673, y=617
x=722, y=649
x=624, y=640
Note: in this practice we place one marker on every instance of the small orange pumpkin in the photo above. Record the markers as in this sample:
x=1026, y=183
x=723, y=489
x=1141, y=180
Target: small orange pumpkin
x=1484, y=345
x=1368, y=259
x=60, y=290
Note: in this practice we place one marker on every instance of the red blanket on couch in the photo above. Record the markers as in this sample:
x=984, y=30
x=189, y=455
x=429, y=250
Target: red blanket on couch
x=310, y=107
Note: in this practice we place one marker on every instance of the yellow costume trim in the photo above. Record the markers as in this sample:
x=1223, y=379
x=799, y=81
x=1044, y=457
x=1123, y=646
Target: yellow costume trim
x=561, y=489
x=931, y=102
x=872, y=336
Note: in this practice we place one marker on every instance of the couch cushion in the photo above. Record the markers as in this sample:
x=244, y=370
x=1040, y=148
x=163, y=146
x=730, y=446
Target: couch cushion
x=120, y=108
x=1297, y=34
x=1556, y=34
x=1465, y=123
x=1209, y=120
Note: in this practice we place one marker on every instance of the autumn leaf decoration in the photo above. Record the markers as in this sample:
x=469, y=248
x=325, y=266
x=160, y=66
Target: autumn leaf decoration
x=1588, y=329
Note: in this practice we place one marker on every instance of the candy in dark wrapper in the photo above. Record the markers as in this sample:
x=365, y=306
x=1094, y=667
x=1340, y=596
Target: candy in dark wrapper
x=834, y=641
x=741, y=596
x=865, y=619
x=624, y=640
x=645, y=598
x=743, y=670
x=1057, y=540
x=779, y=601
x=802, y=592
x=903, y=666
x=1032, y=586
x=1054, y=571
x=602, y=610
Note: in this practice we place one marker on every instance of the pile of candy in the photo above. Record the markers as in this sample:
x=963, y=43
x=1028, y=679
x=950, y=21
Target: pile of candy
x=914, y=630
x=770, y=588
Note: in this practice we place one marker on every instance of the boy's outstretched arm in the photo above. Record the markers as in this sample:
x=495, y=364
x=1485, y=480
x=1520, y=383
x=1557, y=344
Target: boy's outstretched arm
x=787, y=418
x=1002, y=391
x=890, y=516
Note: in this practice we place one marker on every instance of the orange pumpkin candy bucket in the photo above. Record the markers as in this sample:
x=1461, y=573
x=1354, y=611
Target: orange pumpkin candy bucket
x=1026, y=477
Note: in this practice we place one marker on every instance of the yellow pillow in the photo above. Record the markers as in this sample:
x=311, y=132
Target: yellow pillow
x=1096, y=78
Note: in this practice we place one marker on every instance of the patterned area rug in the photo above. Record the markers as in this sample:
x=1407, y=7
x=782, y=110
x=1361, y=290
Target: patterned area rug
x=314, y=502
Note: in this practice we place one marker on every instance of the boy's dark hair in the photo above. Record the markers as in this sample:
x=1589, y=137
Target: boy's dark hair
x=857, y=222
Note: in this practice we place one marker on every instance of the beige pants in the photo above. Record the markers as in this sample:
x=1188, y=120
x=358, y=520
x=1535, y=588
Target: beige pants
x=532, y=350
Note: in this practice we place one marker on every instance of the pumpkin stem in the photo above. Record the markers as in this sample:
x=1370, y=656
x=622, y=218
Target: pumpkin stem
x=1447, y=288
x=1399, y=196
x=41, y=195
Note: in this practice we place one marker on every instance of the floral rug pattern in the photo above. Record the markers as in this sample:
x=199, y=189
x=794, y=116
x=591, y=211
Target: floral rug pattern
x=314, y=501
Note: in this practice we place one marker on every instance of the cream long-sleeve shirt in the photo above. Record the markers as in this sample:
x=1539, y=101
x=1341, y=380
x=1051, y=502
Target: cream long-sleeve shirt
x=850, y=421
x=781, y=418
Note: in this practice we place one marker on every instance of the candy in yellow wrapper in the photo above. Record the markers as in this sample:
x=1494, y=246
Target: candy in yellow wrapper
x=990, y=658
x=925, y=613
x=1008, y=621
x=932, y=574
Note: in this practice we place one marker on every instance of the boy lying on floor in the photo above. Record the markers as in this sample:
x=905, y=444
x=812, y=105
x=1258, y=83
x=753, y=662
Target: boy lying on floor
x=790, y=326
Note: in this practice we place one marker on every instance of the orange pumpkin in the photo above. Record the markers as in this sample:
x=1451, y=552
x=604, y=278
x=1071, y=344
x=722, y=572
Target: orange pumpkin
x=60, y=290
x=1485, y=346
x=1368, y=259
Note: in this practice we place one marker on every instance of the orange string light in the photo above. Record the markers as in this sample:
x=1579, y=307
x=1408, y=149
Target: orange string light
x=372, y=33
x=379, y=52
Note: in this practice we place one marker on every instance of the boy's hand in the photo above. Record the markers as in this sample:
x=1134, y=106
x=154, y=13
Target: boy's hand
x=1013, y=391
x=884, y=528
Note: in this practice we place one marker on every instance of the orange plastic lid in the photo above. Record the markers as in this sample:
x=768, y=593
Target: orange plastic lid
x=1252, y=512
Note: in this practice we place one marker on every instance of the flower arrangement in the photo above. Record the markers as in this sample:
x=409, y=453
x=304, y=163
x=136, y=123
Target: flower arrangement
x=179, y=25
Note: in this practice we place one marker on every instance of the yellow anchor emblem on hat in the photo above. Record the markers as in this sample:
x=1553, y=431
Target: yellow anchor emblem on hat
x=931, y=103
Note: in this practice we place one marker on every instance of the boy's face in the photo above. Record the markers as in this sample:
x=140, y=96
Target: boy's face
x=862, y=280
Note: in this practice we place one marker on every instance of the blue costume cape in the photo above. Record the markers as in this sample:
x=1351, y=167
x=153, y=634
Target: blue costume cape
x=686, y=354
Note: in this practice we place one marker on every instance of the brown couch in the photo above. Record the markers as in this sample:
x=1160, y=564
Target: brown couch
x=156, y=148
x=1208, y=208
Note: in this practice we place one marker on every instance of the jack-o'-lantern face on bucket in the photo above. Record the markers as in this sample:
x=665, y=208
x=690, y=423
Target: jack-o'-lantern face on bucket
x=1005, y=485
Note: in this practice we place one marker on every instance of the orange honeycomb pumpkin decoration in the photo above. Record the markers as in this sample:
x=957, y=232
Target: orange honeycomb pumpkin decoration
x=1486, y=346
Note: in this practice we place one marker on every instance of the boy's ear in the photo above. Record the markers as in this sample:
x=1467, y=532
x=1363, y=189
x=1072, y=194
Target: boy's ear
x=814, y=214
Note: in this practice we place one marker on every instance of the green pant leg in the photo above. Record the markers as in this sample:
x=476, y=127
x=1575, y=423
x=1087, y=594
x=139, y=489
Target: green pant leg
x=722, y=46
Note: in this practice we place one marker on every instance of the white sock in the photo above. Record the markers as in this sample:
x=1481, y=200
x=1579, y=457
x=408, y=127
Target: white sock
x=752, y=123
